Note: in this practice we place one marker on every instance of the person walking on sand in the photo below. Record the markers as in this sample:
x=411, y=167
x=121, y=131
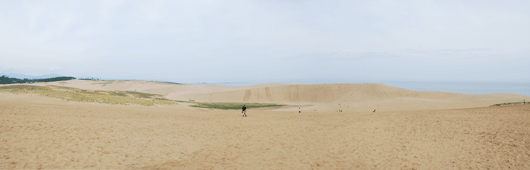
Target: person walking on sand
x=244, y=111
x=299, y=110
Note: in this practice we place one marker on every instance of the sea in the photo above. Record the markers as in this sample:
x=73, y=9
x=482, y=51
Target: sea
x=453, y=87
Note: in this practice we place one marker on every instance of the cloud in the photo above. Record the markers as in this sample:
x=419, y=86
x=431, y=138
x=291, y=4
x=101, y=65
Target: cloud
x=219, y=39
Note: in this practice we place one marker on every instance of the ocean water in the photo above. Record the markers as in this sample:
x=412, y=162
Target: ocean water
x=453, y=87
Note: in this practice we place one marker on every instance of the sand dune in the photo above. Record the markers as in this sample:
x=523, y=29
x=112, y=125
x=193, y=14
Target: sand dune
x=349, y=97
x=38, y=132
x=322, y=97
x=410, y=130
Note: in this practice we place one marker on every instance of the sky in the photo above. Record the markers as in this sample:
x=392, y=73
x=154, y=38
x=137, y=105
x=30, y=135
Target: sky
x=268, y=41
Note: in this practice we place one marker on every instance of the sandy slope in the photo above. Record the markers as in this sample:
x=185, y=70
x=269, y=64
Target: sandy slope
x=411, y=129
x=38, y=132
x=351, y=97
x=141, y=86
x=322, y=97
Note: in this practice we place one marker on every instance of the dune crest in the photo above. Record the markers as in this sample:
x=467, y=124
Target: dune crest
x=351, y=97
x=324, y=97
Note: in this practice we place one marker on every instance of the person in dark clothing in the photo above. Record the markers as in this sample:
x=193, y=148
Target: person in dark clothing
x=244, y=111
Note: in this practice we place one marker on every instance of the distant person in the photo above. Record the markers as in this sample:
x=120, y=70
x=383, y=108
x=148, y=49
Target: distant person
x=244, y=111
x=299, y=110
x=373, y=111
x=524, y=101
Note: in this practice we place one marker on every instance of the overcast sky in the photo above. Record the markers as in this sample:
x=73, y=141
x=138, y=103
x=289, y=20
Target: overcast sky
x=268, y=41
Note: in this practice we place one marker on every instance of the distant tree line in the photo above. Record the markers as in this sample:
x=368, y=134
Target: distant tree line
x=6, y=80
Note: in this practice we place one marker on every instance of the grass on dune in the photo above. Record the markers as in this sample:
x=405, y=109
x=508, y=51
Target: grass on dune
x=500, y=104
x=142, y=95
x=119, y=97
x=99, y=96
x=232, y=106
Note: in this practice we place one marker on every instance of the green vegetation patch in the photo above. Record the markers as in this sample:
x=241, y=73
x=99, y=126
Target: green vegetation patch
x=142, y=95
x=64, y=88
x=500, y=104
x=24, y=87
x=119, y=97
x=99, y=96
x=232, y=106
x=118, y=93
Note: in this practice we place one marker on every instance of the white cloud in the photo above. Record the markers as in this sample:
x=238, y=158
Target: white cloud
x=226, y=40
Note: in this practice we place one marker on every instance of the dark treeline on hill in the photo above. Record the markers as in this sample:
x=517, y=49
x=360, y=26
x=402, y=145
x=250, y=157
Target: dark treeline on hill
x=6, y=80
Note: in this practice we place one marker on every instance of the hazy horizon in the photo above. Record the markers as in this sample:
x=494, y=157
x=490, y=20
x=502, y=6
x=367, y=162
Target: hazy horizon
x=22, y=76
x=522, y=88
x=268, y=41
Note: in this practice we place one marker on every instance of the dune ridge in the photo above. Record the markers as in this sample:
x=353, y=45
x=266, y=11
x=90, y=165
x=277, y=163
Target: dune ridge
x=319, y=97
x=349, y=97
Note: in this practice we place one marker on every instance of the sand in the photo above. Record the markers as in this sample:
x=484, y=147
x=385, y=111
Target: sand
x=322, y=97
x=410, y=130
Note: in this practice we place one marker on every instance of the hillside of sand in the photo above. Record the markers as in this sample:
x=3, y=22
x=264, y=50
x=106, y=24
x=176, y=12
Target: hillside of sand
x=38, y=132
x=319, y=97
